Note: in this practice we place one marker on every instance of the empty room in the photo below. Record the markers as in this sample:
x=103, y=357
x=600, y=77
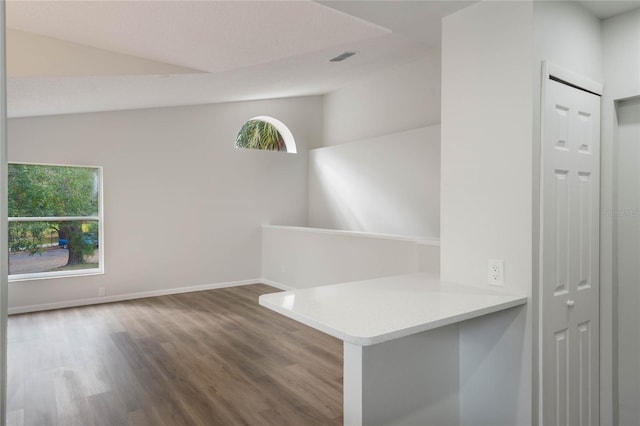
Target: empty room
x=320, y=213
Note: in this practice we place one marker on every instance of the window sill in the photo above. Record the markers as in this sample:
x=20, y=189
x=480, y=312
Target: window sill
x=52, y=275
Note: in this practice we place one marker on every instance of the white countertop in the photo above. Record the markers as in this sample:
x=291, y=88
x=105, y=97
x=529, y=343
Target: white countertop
x=374, y=311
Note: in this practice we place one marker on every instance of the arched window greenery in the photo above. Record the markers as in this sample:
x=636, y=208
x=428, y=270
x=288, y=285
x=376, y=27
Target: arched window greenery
x=265, y=133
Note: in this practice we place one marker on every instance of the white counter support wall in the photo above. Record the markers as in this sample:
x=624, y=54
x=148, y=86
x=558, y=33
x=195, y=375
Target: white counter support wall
x=388, y=384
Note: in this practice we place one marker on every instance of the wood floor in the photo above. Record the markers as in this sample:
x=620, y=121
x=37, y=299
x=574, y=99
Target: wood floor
x=207, y=358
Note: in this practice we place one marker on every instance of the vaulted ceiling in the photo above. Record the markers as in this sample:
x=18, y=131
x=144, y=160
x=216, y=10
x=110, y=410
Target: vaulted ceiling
x=85, y=55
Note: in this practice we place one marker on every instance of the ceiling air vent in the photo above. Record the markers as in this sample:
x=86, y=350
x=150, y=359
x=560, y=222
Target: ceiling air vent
x=342, y=56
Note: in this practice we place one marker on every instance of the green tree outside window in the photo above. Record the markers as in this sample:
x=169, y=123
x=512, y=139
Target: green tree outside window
x=256, y=134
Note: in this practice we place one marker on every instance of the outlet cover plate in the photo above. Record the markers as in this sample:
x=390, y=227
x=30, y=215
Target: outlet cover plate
x=495, y=272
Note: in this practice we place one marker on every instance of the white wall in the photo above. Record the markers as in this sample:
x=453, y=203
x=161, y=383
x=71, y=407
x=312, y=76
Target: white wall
x=390, y=101
x=297, y=257
x=621, y=59
x=621, y=49
x=429, y=256
x=568, y=35
x=183, y=206
x=486, y=197
x=389, y=184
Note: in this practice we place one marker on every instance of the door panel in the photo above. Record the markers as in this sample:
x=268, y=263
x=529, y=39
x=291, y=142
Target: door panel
x=561, y=377
x=570, y=243
x=586, y=244
x=585, y=368
x=561, y=232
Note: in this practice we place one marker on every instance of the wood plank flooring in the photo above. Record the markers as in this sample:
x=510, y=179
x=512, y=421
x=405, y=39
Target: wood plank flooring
x=207, y=358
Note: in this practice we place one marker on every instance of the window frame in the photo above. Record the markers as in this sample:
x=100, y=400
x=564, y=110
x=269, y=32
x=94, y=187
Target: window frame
x=99, y=218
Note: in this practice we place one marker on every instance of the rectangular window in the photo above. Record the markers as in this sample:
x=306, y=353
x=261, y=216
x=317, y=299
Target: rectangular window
x=55, y=221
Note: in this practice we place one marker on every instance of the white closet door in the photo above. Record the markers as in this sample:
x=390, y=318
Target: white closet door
x=570, y=254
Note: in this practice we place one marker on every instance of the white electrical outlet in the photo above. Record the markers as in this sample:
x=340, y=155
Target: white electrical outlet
x=496, y=272
x=101, y=291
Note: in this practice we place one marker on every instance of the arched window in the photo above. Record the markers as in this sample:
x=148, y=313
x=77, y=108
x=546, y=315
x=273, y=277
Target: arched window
x=266, y=133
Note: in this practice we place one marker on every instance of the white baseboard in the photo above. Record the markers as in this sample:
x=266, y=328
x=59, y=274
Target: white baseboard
x=276, y=284
x=132, y=296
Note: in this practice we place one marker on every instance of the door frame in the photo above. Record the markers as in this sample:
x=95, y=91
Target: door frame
x=549, y=69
